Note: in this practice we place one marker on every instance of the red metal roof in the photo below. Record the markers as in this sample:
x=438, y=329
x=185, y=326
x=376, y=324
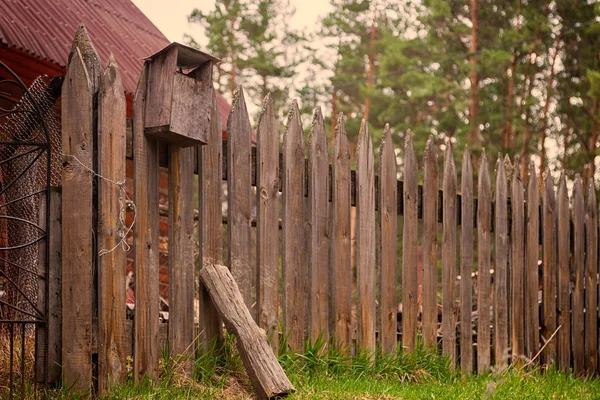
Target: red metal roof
x=45, y=29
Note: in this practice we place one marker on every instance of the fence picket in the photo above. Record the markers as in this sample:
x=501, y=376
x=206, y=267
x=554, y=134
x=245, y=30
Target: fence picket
x=430, y=232
x=518, y=259
x=449, y=256
x=578, y=268
x=484, y=222
x=340, y=265
x=239, y=206
x=531, y=280
x=466, y=263
x=294, y=258
x=409, y=247
x=549, y=245
x=111, y=266
x=267, y=191
x=365, y=240
x=564, y=278
x=500, y=266
x=591, y=266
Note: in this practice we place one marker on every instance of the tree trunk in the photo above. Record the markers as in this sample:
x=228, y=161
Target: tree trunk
x=473, y=136
x=507, y=133
x=371, y=70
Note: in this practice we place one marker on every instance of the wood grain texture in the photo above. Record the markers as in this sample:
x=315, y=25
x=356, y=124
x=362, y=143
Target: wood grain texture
x=409, y=248
x=365, y=240
x=181, y=256
x=77, y=132
x=159, y=92
x=531, y=280
x=111, y=209
x=145, y=234
x=430, y=245
x=449, y=256
x=388, y=244
x=578, y=271
x=239, y=204
x=295, y=269
x=484, y=224
x=564, y=278
x=518, y=270
x=591, y=273
x=267, y=155
x=549, y=248
x=265, y=373
x=466, y=264
x=210, y=164
x=318, y=254
x=501, y=260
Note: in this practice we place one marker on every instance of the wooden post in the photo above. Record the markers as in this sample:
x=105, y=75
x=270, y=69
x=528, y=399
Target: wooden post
x=449, y=256
x=484, y=225
x=500, y=266
x=294, y=259
x=564, y=278
x=578, y=270
x=340, y=265
x=591, y=271
x=388, y=244
x=466, y=266
x=518, y=259
x=267, y=376
x=550, y=268
x=531, y=284
x=318, y=204
x=145, y=234
x=111, y=220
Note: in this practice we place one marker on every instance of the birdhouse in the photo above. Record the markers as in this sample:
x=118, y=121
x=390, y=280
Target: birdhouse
x=178, y=99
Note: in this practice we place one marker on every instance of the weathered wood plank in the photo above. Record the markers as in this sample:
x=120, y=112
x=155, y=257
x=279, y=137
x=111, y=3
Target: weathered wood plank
x=430, y=234
x=484, y=222
x=295, y=269
x=267, y=376
x=318, y=253
x=388, y=243
x=210, y=162
x=578, y=270
x=77, y=132
x=518, y=258
x=409, y=248
x=531, y=280
x=145, y=234
x=449, y=256
x=340, y=266
x=181, y=256
x=564, y=278
x=239, y=134
x=365, y=240
x=500, y=267
x=549, y=245
x=591, y=290
x=111, y=231
x=267, y=189
x=466, y=263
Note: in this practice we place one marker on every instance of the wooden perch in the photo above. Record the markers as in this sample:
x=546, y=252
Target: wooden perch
x=267, y=376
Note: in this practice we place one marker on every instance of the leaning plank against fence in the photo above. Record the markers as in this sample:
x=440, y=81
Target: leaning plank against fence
x=145, y=235
x=239, y=156
x=430, y=257
x=518, y=259
x=591, y=265
x=77, y=129
x=388, y=217
x=366, y=270
x=449, y=255
x=111, y=230
x=318, y=252
x=466, y=266
x=267, y=188
x=564, y=277
x=484, y=223
x=409, y=248
x=549, y=234
x=578, y=269
x=294, y=253
x=531, y=284
x=500, y=266
x=340, y=265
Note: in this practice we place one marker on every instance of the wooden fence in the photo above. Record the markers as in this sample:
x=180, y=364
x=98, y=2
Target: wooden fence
x=526, y=255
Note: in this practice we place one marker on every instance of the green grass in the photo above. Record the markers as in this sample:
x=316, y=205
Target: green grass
x=322, y=373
